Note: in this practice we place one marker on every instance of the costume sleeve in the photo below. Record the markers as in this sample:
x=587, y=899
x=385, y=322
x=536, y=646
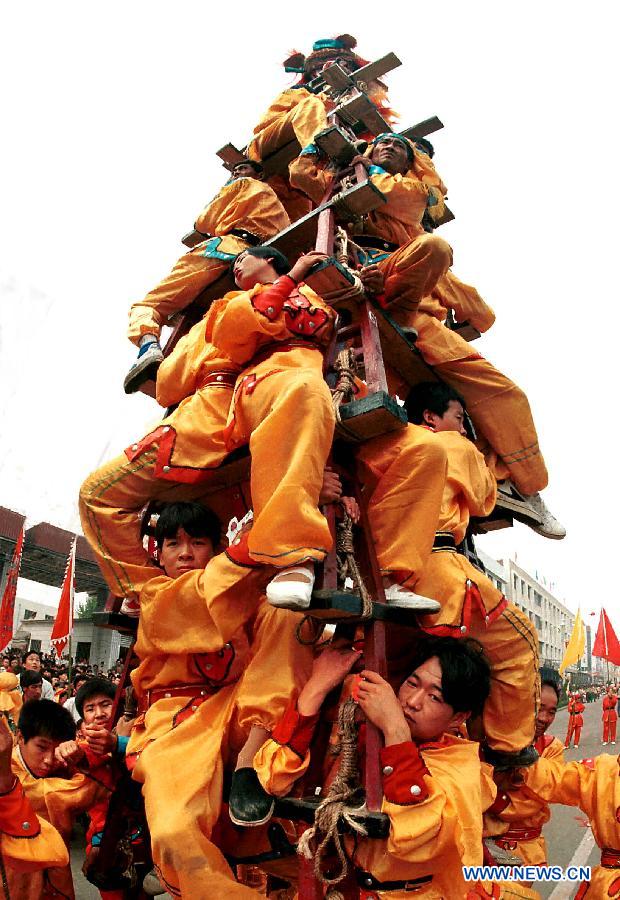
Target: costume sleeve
x=252, y=319
x=307, y=176
x=469, y=474
x=247, y=203
x=210, y=219
x=406, y=195
x=27, y=843
x=425, y=168
x=559, y=782
x=177, y=374
x=286, y=756
x=466, y=302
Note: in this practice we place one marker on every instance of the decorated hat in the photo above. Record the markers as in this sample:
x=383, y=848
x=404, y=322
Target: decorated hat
x=324, y=49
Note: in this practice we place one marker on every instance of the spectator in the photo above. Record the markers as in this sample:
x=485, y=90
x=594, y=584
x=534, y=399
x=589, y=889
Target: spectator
x=32, y=662
x=31, y=684
x=16, y=665
x=6, y=664
x=78, y=681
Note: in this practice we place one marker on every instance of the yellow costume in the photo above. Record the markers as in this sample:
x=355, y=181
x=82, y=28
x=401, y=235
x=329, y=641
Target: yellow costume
x=499, y=409
x=59, y=801
x=204, y=679
x=244, y=205
x=280, y=400
x=403, y=474
x=516, y=818
x=472, y=605
x=411, y=261
x=434, y=795
x=594, y=786
x=10, y=697
x=295, y=113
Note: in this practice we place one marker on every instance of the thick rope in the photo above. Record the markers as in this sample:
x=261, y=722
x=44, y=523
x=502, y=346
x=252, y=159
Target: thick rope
x=346, y=369
x=348, y=567
x=341, y=253
x=329, y=812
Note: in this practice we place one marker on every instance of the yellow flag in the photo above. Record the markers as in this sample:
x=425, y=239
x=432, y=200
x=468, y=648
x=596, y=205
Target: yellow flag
x=576, y=645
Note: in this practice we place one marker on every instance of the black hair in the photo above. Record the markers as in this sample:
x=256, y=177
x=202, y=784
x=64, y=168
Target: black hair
x=258, y=168
x=33, y=653
x=425, y=146
x=552, y=683
x=197, y=520
x=278, y=259
x=29, y=677
x=465, y=670
x=92, y=688
x=80, y=676
x=432, y=395
x=44, y=718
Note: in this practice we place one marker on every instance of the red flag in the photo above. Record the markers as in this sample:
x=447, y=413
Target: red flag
x=606, y=644
x=63, y=626
x=7, y=607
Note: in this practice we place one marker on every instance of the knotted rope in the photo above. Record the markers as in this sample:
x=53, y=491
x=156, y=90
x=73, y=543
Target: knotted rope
x=329, y=812
x=346, y=370
x=341, y=253
x=347, y=563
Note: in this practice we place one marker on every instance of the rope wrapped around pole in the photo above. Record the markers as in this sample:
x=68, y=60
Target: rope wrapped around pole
x=348, y=567
x=329, y=812
x=346, y=369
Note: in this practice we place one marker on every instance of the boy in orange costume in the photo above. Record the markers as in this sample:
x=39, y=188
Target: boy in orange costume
x=576, y=707
x=610, y=716
x=516, y=818
x=274, y=334
x=244, y=213
x=594, y=786
x=470, y=603
x=55, y=794
x=435, y=788
x=208, y=686
x=392, y=235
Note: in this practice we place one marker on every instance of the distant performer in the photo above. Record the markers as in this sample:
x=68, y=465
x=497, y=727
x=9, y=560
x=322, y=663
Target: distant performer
x=610, y=715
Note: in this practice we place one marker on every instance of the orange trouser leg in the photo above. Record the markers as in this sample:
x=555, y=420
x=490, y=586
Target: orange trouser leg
x=511, y=645
x=288, y=421
x=190, y=275
x=406, y=471
x=303, y=121
x=503, y=419
x=411, y=272
x=182, y=775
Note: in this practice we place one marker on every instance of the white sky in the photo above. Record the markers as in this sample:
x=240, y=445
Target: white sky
x=111, y=117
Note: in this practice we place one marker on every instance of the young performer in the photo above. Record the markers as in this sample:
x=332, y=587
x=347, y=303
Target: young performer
x=576, y=707
x=244, y=213
x=470, y=603
x=218, y=667
x=610, y=716
x=434, y=787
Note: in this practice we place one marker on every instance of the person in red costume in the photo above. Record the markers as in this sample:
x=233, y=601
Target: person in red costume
x=575, y=719
x=610, y=715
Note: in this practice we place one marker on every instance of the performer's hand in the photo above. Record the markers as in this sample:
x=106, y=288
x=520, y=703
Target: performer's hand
x=361, y=160
x=124, y=726
x=6, y=749
x=351, y=507
x=382, y=707
x=305, y=263
x=328, y=670
x=99, y=739
x=69, y=753
x=372, y=279
x=331, y=489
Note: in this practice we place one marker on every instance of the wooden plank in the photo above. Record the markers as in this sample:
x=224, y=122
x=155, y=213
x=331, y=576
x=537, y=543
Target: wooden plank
x=193, y=238
x=372, y=71
x=371, y=346
x=444, y=218
x=360, y=109
x=401, y=353
x=117, y=621
x=230, y=156
x=370, y=417
x=467, y=331
x=301, y=809
x=423, y=128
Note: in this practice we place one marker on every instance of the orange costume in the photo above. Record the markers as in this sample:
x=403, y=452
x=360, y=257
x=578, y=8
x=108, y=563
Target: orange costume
x=434, y=795
x=499, y=409
x=215, y=660
x=472, y=605
x=411, y=261
x=594, y=786
x=516, y=818
x=10, y=698
x=245, y=212
x=273, y=336
x=59, y=801
x=610, y=718
x=575, y=720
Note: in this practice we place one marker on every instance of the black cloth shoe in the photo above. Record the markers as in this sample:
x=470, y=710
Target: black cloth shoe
x=249, y=804
x=502, y=760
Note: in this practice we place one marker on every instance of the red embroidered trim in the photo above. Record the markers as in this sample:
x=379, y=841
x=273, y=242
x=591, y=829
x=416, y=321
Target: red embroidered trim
x=269, y=303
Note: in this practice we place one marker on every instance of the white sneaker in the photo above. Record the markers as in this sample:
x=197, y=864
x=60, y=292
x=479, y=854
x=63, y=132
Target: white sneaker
x=531, y=510
x=152, y=885
x=397, y=595
x=130, y=607
x=292, y=588
x=604, y=743
x=550, y=527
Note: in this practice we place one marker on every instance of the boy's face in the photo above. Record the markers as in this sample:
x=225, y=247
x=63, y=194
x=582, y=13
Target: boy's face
x=547, y=710
x=182, y=553
x=421, y=697
x=245, y=170
x=33, y=692
x=32, y=662
x=98, y=710
x=249, y=270
x=452, y=420
x=38, y=754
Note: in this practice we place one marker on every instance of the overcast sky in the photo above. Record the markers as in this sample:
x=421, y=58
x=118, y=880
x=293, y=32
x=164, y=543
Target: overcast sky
x=111, y=117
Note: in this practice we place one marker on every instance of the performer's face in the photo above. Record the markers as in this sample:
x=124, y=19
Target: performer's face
x=452, y=420
x=391, y=155
x=249, y=270
x=547, y=711
x=427, y=713
x=182, y=553
x=39, y=755
x=98, y=710
x=245, y=170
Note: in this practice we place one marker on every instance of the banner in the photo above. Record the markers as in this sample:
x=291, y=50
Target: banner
x=7, y=607
x=606, y=644
x=576, y=645
x=63, y=626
